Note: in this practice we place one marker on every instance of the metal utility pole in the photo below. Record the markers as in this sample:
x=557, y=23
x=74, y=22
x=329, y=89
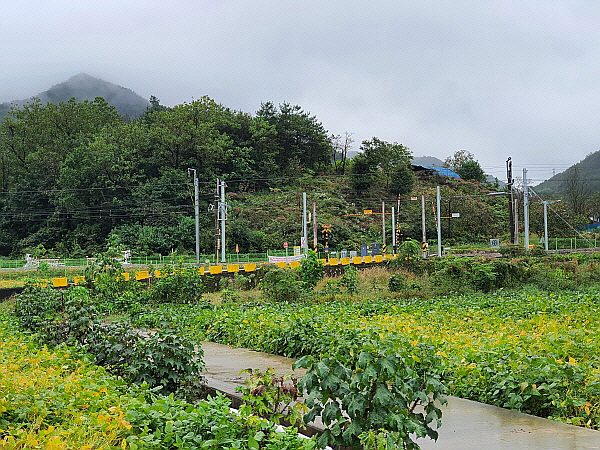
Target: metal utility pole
x=314, y=218
x=439, y=221
x=545, y=225
x=516, y=215
x=223, y=218
x=304, y=225
x=196, y=214
x=423, y=224
x=526, y=209
x=383, y=224
x=394, y=243
x=217, y=212
x=511, y=216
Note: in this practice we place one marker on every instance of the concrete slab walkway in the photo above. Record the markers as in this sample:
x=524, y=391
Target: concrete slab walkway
x=466, y=425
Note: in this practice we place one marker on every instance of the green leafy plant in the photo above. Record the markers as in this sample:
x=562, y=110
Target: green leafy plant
x=160, y=358
x=396, y=283
x=283, y=284
x=349, y=280
x=385, y=388
x=180, y=285
x=311, y=269
x=275, y=398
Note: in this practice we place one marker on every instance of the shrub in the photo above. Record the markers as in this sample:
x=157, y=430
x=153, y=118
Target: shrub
x=349, y=280
x=283, y=284
x=396, y=283
x=311, y=269
x=57, y=316
x=159, y=358
x=376, y=392
x=181, y=286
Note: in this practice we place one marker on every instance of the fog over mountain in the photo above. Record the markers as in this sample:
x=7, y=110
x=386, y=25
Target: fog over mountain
x=85, y=87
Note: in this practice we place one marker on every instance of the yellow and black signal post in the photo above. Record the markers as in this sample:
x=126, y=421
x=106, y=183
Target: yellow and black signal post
x=327, y=233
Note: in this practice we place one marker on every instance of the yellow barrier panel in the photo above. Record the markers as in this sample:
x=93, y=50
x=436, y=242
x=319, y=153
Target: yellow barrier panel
x=60, y=282
x=157, y=274
x=378, y=258
x=214, y=270
x=389, y=256
x=295, y=264
x=324, y=261
x=233, y=268
x=201, y=270
x=368, y=259
x=142, y=275
x=249, y=267
x=333, y=262
x=78, y=279
x=357, y=260
x=125, y=276
x=345, y=261
x=281, y=264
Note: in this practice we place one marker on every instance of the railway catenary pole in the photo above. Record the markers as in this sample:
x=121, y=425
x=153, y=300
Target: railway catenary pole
x=304, y=240
x=511, y=214
x=196, y=214
x=439, y=222
x=223, y=217
x=526, y=209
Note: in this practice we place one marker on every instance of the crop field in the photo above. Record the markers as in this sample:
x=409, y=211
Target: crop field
x=519, y=333
x=57, y=400
x=533, y=351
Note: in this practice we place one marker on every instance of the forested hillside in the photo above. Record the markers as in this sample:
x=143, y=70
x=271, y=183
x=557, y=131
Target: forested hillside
x=83, y=87
x=584, y=175
x=73, y=173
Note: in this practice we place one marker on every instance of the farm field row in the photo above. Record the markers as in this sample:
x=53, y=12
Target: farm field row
x=535, y=352
x=56, y=399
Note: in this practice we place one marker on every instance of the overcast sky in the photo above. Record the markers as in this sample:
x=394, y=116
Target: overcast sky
x=496, y=78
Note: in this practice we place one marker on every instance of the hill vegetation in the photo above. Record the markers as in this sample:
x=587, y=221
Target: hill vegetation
x=75, y=172
x=84, y=87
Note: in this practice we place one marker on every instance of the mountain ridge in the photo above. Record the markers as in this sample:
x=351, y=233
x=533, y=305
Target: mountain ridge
x=86, y=87
x=585, y=173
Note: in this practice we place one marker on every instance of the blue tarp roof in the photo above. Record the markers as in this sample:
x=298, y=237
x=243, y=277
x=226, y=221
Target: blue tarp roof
x=443, y=171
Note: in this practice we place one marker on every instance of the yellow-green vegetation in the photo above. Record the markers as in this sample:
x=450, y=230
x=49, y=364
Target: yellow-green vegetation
x=534, y=352
x=54, y=400
x=521, y=334
x=50, y=399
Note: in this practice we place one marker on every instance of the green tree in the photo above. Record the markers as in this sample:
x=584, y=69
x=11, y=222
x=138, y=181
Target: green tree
x=364, y=173
x=471, y=170
x=301, y=140
x=384, y=155
x=455, y=161
x=34, y=141
x=402, y=180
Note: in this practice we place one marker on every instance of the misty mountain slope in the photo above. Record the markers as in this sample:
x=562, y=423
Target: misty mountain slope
x=85, y=87
x=585, y=172
x=427, y=161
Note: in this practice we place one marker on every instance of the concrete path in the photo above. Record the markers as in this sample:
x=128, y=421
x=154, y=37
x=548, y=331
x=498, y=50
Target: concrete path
x=466, y=425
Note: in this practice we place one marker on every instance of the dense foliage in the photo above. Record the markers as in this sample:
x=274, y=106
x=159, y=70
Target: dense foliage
x=513, y=333
x=73, y=174
x=55, y=399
